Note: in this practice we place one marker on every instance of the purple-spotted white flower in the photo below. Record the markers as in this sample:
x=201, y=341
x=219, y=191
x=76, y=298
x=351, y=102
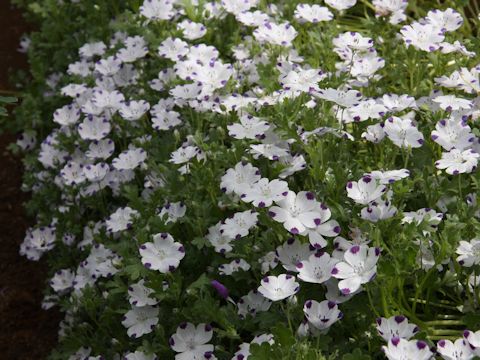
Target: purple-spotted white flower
x=452, y=103
x=326, y=228
x=292, y=252
x=457, y=162
x=239, y=179
x=252, y=303
x=264, y=192
x=239, y=224
x=341, y=4
x=321, y=315
x=297, y=212
x=426, y=37
x=62, y=280
x=140, y=320
x=163, y=254
x=250, y=127
x=173, y=49
x=190, y=341
x=157, y=9
x=458, y=350
x=278, y=287
x=378, y=210
x=403, y=132
x=359, y=266
x=365, y=191
x=121, y=219
x=469, y=252
x=317, y=268
x=234, y=266
x=451, y=133
x=401, y=349
x=130, y=159
x=277, y=34
x=139, y=295
x=312, y=13
x=396, y=326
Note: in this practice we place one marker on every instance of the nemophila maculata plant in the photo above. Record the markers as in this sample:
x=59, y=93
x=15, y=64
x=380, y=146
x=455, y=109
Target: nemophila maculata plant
x=244, y=179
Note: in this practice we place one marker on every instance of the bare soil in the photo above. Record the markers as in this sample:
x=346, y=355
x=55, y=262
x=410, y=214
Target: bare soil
x=26, y=331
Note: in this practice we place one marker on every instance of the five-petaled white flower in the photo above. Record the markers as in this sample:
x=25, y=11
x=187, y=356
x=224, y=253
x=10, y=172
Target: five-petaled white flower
x=297, y=212
x=279, y=287
x=163, y=254
x=190, y=341
x=140, y=320
x=358, y=267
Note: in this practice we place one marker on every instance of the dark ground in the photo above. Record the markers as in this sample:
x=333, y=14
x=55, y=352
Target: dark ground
x=26, y=331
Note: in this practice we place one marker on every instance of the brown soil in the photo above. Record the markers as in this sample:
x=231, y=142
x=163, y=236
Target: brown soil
x=26, y=331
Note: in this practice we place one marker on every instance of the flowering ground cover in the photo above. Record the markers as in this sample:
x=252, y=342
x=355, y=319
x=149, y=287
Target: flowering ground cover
x=245, y=179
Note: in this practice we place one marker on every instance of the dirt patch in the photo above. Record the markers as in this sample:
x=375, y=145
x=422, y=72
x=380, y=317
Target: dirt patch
x=26, y=331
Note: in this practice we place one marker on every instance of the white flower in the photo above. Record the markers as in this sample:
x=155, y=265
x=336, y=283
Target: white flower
x=236, y=7
x=447, y=20
x=403, y=132
x=341, y=4
x=67, y=115
x=101, y=149
x=321, y=315
x=325, y=228
x=312, y=13
x=469, y=252
x=62, y=280
x=291, y=253
x=396, y=326
x=140, y=355
x=190, y=341
x=109, y=100
x=173, y=212
x=458, y=162
x=121, y=219
x=134, y=110
x=173, y=49
x=240, y=178
x=157, y=9
x=184, y=154
x=192, y=30
x=109, y=66
x=239, y=224
x=252, y=303
x=277, y=34
x=365, y=191
x=297, y=212
x=343, y=98
x=401, y=349
x=452, y=103
x=220, y=242
x=72, y=173
x=250, y=127
x=163, y=254
x=317, y=269
x=129, y=159
x=358, y=267
x=426, y=37
x=459, y=350
x=264, y=192
x=234, y=266
x=390, y=176
x=377, y=211
x=140, y=320
x=451, y=134
x=278, y=287
x=139, y=295
x=94, y=128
